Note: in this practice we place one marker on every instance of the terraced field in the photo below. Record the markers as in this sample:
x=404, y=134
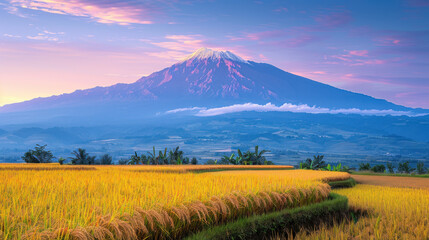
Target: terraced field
x=65, y=202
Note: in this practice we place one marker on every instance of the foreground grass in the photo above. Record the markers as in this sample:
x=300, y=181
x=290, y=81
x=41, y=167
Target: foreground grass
x=119, y=203
x=395, y=213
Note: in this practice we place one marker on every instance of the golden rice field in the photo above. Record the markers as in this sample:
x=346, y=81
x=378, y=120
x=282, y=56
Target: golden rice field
x=395, y=213
x=149, y=168
x=52, y=201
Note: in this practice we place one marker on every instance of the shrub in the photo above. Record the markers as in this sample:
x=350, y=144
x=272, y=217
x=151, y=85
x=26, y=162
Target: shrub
x=364, y=167
x=61, y=160
x=123, y=161
x=194, y=161
x=211, y=162
x=106, y=159
x=378, y=168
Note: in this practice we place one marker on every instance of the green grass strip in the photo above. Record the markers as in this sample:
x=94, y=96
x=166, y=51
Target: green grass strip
x=343, y=184
x=392, y=174
x=288, y=220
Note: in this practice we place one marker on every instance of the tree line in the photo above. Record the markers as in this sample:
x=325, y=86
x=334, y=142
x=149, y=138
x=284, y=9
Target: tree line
x=403, y=167
x=173, y=156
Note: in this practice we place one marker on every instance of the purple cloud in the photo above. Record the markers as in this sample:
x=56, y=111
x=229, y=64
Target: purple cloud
x=117, y=12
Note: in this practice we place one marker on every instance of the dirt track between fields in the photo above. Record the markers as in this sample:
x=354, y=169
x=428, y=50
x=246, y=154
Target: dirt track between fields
x=391, y=181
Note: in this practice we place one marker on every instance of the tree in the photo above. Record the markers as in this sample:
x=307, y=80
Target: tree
x=135, y=159
x=211, y=162
x=390, y=167
x=404, y=167
x=314, y=164
x=230, y=159
x=38, y=155
x=252, y=158
x=421, y=169
x=162, y=157
x=61, y=160
x=123, y=161
x=106, y=159
x=176, y=156
x=152, y=159
x=81, y=157
x=378, y=168
x=194, y=161
x=364, y=167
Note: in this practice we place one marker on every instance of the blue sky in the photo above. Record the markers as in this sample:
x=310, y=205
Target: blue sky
x=379, y=48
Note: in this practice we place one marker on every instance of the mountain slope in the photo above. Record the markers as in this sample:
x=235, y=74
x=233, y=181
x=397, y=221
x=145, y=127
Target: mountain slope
x=209, y=78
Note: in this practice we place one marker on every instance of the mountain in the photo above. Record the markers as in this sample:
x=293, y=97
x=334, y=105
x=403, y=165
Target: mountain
x=233, y=95
x=207, y=78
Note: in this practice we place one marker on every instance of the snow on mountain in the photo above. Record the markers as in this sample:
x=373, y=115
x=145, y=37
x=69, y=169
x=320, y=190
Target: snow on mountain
x=205, y=53
x=209, y=78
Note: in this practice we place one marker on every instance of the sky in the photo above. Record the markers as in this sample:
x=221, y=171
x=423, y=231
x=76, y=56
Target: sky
x=379, y=48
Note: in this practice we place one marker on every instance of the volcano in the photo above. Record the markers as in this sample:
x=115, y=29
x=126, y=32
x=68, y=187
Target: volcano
x=207, y=78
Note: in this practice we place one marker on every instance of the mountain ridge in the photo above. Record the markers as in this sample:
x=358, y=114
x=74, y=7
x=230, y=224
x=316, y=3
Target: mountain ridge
x=212, y=78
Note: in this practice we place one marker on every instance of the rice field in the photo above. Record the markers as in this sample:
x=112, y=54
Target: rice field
x=122, y=202
x=395, y=213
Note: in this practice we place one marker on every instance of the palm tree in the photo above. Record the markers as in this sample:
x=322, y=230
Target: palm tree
x=314, y=164
x=163, y=157
x=231, y=159
x=175, y=156
x=152, y=159
x=82, y=157
x=135, y=159
x=252, y=157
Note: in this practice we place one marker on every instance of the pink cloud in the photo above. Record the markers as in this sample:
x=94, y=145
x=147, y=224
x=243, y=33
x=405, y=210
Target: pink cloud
x=360, y=53
x=178, y=47
x=390, y=41
x=102, y=12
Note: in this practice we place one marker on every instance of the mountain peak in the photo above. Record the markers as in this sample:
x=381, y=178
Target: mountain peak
x=205, y=53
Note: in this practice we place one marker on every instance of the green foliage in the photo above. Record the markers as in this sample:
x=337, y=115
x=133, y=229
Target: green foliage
x=175, y=156
x=250, y=158
x=421, y=169
x=378, y=168
x=404, y=167
x=81, y=157
x=390, y=167
x=105, y=159
x=61, y=160
x=364, y=167
x=288, y=220
x=38, y=155
x=211, y=162
x=135, y=159
x=343, y=184
x=314, y=164
x=123, y=161
x=194, y=161
x=338, y=168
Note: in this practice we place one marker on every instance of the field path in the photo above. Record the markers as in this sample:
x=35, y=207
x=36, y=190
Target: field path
x=391, y=181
